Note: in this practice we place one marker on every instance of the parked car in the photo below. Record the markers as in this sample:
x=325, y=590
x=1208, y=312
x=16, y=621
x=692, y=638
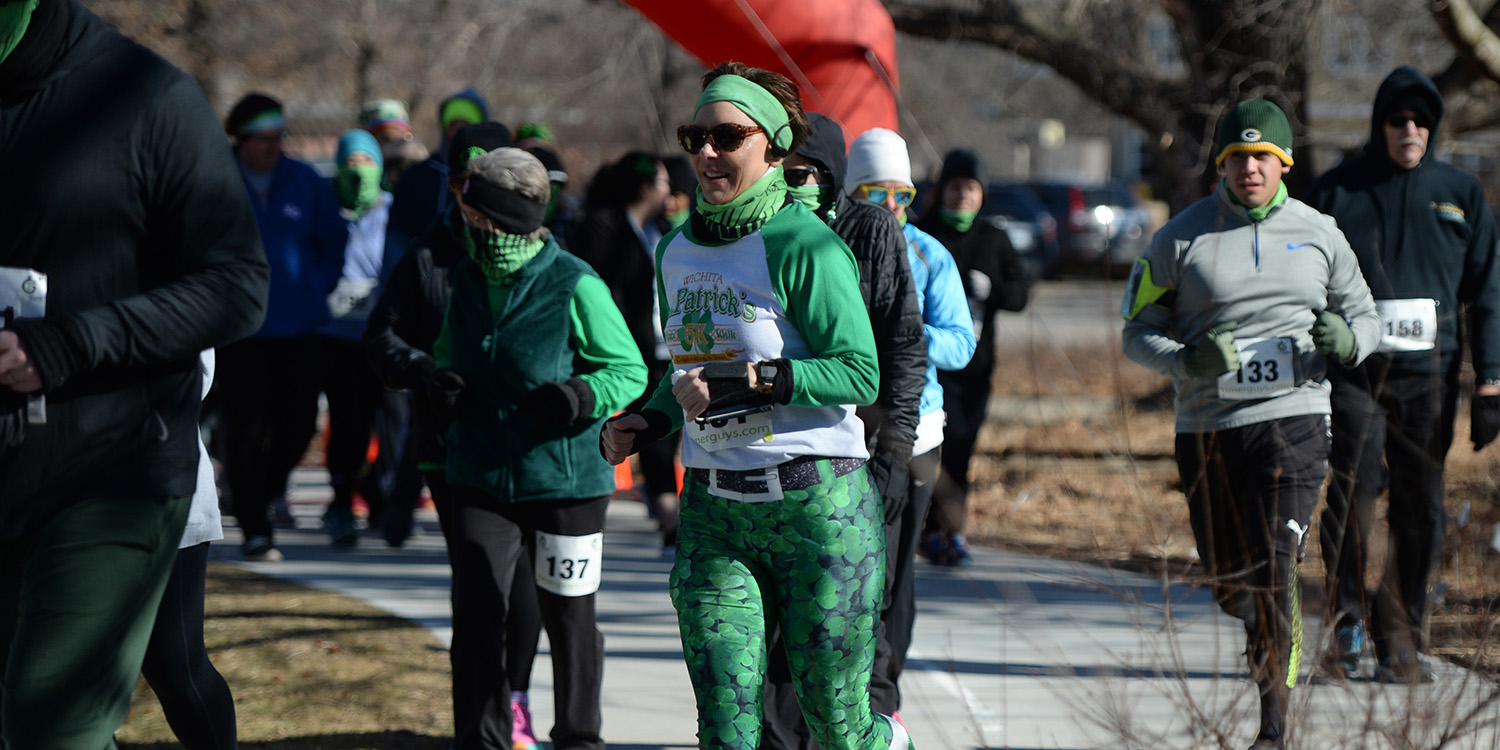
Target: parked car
x=1018, y=205
x=1099, y=226
x=1027, y=223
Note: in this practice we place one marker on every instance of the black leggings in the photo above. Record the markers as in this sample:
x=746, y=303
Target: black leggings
x=193, y=694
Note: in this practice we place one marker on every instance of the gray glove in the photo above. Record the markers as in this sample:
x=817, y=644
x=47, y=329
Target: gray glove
x=1214, y=354
x=1331, y=335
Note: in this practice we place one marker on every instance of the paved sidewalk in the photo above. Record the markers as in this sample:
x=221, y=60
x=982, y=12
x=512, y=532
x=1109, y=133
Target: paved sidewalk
x=1015, y=652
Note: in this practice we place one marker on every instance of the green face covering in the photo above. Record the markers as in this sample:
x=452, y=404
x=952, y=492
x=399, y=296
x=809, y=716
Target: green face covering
x=746, y=213
x=677, y=219
x=358, y=187
x=554, y=199
x=14, y=19
x=817, y=198
x=499, y=254
x=960, y=220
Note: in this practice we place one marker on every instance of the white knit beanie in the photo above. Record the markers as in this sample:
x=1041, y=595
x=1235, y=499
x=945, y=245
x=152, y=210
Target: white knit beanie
x=877, y=155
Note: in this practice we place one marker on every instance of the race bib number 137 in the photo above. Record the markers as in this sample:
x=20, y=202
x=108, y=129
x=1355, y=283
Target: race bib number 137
x=568, y=565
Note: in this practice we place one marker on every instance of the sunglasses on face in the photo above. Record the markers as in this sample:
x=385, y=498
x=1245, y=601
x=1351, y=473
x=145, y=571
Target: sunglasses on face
x=796, y=176
x=1399, y=121
x=726, y=137
x=878, y=194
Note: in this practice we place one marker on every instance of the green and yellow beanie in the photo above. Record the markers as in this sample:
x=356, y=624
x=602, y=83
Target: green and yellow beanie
x=1254, y=125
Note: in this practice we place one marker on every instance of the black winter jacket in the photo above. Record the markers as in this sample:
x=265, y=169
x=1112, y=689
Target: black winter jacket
x=1425, y=232
x=117, y=183
x=407, y=320
x=985, y=258
x=885, y=284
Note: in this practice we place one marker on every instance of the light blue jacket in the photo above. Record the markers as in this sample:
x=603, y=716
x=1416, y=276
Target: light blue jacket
x=945, y=311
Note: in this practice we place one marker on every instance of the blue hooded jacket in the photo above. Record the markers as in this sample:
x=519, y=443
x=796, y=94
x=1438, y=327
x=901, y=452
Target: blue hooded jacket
x=304, y=236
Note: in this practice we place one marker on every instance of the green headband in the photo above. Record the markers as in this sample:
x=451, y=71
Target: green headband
x=765, y=109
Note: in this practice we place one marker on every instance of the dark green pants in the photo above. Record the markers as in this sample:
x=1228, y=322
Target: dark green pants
x=78, y=597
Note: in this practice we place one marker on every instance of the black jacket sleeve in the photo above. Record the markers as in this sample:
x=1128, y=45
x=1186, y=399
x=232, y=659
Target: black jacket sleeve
x=208, y=281
x=901, y=347
x=1479, y=289
x=391, y=335
x=1012, y=281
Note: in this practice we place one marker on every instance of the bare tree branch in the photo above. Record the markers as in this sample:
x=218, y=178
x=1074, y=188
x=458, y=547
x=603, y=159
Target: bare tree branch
x=1131, y=91
x=1472, y=36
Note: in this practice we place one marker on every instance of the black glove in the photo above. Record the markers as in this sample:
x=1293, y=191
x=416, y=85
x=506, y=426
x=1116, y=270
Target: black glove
x=12, y=418
x=1484, y=420
x=447, y=394
x=892, y=477
x=657, y=427
x=556, y=405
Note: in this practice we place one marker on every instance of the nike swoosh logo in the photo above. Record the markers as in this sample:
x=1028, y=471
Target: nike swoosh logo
x=1290, y=246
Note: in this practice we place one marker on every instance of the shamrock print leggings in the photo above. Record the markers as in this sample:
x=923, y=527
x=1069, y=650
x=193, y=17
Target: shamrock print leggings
x=812, y=563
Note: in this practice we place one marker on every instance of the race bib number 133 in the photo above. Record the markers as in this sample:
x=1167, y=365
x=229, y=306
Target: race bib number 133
x=1265, y=370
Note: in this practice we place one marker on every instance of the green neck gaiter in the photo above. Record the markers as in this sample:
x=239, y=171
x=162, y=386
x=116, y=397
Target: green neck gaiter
x=817, y=198
x=500, y=255
x=358, y=187
x=960, y=220
x=677, y=219
x=1257, y=214
x=14, y=18
x=745, y=214
x=554, y=199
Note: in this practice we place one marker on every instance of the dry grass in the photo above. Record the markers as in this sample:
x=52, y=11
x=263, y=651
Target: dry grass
x=312, y=670
x=1099, y=485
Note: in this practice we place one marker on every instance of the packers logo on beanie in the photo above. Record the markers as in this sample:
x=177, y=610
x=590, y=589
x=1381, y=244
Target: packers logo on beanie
x=1254, y=125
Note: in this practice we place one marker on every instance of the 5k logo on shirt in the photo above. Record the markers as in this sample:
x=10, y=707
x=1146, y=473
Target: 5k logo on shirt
x=697, y=331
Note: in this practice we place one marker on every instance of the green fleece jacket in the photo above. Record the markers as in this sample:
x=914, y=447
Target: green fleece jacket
x=555, y=321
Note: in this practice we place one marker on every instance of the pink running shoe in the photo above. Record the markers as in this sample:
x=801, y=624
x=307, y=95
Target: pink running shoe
x=521, y=736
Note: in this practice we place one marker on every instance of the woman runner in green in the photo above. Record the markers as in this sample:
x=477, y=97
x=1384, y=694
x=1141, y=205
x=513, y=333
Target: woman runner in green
x=771, y=349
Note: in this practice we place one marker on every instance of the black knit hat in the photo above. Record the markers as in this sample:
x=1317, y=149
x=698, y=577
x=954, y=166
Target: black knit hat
x=556, y=173
x=680, y=174
x=963, y=163
x=247, y=109
x=472, y=140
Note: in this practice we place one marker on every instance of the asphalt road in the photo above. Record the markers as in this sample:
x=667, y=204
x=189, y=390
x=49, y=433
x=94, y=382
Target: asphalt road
x=1067, y=314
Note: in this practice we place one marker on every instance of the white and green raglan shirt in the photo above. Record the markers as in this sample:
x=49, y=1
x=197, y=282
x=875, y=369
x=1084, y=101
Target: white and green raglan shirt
x=789, y=290
x=1214, y=264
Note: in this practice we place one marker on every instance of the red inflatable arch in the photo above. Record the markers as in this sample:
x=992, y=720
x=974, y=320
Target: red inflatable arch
x=842, y=53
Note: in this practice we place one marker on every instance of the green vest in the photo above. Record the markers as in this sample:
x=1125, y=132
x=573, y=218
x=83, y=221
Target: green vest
x=503, y=357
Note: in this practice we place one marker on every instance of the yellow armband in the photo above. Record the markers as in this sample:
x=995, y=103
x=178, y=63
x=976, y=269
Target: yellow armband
x=1141, y=291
